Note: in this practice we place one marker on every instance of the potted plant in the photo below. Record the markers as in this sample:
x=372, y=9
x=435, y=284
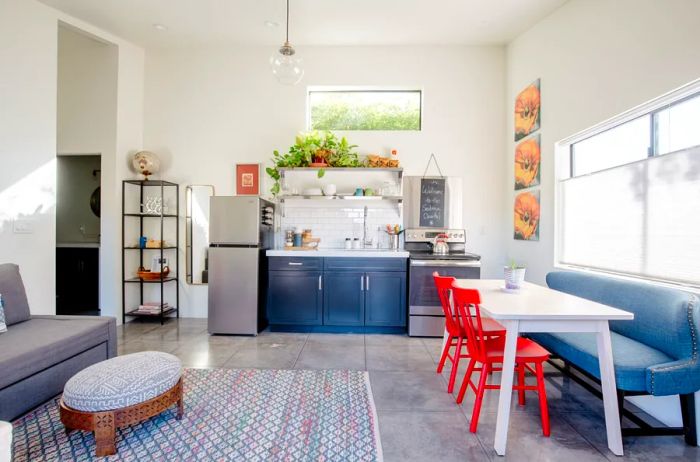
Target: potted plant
x=314, y=149
x=514, y=275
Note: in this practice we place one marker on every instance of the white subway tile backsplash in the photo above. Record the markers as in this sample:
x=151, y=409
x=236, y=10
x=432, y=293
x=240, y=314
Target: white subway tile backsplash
x=336, y=221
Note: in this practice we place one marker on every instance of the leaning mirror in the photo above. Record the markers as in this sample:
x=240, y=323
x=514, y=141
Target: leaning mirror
x=197, y=233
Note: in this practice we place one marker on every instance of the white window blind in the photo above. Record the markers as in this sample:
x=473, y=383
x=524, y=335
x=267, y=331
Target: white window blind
x=640, y=219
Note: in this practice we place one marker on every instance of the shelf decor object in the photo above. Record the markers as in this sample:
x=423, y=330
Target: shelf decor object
x=145, y=163
x=136, y=275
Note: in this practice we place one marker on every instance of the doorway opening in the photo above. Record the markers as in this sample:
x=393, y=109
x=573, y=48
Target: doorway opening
x=86, y=135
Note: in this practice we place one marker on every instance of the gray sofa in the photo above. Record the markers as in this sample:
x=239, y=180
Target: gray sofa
x=38, y=354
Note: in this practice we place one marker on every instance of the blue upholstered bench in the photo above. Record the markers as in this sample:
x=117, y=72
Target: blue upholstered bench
x=655, y=354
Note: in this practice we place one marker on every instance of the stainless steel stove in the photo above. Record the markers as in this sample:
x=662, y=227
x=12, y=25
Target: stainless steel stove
x=426, y=318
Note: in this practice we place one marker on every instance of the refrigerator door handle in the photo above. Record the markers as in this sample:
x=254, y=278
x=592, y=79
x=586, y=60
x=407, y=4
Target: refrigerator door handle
x=367, y=282
x=294, y=263
x=362, y=283
x=320, y=282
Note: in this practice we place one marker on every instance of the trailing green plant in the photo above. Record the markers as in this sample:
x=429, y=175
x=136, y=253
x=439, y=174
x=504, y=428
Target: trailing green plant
x=314, y=146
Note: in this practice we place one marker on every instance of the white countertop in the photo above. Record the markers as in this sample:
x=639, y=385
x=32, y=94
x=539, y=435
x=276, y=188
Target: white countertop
x=361, y=253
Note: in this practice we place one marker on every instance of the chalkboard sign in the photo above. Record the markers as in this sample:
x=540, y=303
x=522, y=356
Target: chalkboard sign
x=432, y=202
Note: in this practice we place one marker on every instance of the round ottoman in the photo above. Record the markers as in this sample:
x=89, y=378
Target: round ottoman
x=119, y=392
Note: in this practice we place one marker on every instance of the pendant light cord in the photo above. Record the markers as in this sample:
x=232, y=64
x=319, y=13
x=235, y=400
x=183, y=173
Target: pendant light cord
x=287, y=21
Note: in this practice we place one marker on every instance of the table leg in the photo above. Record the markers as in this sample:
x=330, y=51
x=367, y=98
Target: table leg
x=506, y=391
x=607, y=381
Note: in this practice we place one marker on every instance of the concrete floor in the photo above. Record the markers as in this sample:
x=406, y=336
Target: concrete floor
x=418, y=419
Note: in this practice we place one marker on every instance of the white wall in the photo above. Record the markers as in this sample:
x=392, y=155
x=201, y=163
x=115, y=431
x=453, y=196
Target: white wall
x=28, y=146
x=207, y=109
x=596, y=59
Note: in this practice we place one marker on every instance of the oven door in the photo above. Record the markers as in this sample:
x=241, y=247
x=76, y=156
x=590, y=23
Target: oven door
x=422, y=297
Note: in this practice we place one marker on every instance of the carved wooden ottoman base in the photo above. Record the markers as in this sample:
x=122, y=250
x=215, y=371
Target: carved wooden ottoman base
x=105, y=423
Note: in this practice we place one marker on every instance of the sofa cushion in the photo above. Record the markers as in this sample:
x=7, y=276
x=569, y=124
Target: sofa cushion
x=664, y=318
x=34, y=345
x=12, y=290
x=122, y=381
x=3, y=325
x=630, y=357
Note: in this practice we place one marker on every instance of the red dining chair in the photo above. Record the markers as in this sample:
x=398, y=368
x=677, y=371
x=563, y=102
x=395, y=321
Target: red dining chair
x=456, y=337
x=488, y=352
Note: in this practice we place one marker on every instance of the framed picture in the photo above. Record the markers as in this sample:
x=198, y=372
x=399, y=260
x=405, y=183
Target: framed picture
x=527, y=163
x=247, y=179
x=156, y=263
x=527, y=110
x=526, y=216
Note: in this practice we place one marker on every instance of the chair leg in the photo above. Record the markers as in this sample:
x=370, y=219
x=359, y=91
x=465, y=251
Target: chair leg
x=621, y=404
x=445, y=351
x=466, y=380
x=521, y=383
x=479, y=398
x=455, y=365
x=690, y=428
x=544, y=411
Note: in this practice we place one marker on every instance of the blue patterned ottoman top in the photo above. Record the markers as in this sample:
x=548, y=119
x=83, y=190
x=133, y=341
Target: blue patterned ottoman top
x=122, y=381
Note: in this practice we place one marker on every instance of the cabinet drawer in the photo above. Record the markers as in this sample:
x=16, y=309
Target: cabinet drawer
x=365, y=264
x=295, y=263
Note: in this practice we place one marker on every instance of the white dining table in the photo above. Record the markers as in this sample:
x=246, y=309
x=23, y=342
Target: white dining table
x=536, y=308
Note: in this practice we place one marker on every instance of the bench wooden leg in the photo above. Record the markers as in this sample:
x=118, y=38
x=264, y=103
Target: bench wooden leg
x=180, y=402
x=690, y=428
x=105, y=434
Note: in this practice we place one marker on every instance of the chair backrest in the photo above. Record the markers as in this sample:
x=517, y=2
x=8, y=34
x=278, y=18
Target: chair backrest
x=444, y=287
x=467, y=303
x=664, y=318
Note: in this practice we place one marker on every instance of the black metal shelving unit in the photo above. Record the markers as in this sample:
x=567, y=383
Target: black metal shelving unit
x=139, y=282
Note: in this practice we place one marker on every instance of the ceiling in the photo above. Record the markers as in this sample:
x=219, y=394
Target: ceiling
x=313, y=22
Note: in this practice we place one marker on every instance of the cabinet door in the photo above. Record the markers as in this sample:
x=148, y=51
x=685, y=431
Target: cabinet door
x=385, y=299
x=295, y=297
x=343, y=303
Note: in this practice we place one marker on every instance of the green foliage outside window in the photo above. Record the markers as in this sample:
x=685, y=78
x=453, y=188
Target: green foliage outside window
x=370, y=110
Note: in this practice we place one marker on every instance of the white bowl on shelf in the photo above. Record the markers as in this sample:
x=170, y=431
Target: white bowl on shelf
x=312, y=192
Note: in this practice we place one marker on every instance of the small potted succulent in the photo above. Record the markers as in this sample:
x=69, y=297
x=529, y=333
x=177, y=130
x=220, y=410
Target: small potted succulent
x=514, y=275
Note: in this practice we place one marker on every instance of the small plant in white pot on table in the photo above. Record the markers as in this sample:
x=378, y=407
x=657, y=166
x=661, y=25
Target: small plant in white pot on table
x=514, y=275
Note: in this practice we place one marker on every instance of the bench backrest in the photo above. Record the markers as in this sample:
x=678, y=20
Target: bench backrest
x=664, y=318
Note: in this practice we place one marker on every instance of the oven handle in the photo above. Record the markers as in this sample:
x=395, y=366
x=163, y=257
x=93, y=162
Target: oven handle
x=470, y=264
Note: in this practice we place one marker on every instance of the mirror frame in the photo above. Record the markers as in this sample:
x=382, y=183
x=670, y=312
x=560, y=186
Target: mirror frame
x=188, y=231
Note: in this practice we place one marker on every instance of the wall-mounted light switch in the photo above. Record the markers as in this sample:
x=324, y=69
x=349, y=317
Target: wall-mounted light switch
x=22, y=226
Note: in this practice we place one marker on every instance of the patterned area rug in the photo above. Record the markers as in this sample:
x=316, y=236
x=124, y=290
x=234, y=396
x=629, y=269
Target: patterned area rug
x=241, y=415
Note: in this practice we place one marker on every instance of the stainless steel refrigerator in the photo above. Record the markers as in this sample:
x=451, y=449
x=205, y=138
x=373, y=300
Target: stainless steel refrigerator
x=240, y=230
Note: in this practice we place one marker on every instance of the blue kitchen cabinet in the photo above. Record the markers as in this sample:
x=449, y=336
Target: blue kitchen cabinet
x=295, y=298
x=343, y=299
x=337, y=293
x=385, y=298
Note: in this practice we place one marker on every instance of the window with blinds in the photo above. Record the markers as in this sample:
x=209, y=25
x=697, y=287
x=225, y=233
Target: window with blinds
x=629, y=199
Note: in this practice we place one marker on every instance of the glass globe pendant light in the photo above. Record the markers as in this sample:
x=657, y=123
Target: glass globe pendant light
x=286, y=65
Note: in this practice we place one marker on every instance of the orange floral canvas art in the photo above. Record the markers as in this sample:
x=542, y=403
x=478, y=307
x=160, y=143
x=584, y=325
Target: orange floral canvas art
x=527, y=163
x=527, y=216
x=527, y=111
